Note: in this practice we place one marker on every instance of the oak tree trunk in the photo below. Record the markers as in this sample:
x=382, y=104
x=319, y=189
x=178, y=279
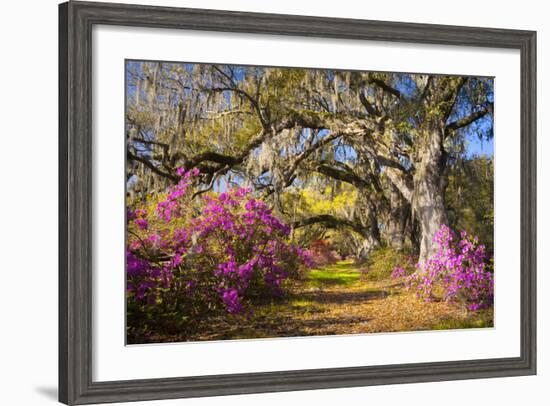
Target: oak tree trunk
x=397, y=219
x=372, y=240
x=429, y=191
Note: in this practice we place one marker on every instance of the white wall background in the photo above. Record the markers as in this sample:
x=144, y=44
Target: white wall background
x=28, y=203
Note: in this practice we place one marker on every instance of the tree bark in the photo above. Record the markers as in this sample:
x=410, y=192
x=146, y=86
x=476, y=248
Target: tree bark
x=429, y=191
x=397, y=219
x=373, y=240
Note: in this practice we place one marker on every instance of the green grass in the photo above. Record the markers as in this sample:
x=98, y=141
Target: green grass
x=479, y=319
x=301, y=303
x=340, y=299
x=343, y=273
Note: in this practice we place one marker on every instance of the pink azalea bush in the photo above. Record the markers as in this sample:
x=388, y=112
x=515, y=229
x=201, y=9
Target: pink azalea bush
x=458, y=271
x=320, y=253
x=187, y=261
x=388, y=263
x=399, y=272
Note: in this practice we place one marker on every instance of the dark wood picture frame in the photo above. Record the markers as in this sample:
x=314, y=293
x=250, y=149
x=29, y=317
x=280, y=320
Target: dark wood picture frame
x=76, y=20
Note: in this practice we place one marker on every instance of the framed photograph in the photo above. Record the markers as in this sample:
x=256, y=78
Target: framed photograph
x=259, y=202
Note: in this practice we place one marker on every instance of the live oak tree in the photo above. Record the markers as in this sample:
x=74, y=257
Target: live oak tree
x=469, y=197
x=393, y=137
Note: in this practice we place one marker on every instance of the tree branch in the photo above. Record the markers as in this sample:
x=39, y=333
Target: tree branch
x=344, y=176
x=372, y=110
x=332, y=222
x=384, y=86
x=402, y=182
x=212, y=157
x=151, y=166
x=255, y=104
x=465, y=121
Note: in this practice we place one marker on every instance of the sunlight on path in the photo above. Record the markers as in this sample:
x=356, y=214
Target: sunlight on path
x=339, y=299
x=343, y=273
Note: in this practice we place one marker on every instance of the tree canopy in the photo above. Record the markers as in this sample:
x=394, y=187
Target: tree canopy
x=368, y=158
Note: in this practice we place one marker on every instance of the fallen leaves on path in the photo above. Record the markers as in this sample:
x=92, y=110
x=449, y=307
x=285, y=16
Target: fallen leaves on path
x=320, y=305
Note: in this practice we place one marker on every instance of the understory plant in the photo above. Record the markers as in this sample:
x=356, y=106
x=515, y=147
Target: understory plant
x=388, y=262
x=321, y=253
x=458, y=272
x=189, y=260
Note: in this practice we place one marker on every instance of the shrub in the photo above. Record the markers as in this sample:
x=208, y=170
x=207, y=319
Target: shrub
x=382, y=263
x=187, y=261
x=321, y=254
x=399, y=272
x=458, y=272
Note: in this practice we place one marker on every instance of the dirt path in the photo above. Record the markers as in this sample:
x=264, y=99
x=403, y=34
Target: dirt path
x=339, y=300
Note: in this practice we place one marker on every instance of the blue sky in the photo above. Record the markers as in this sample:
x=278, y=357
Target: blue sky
x=477, y=147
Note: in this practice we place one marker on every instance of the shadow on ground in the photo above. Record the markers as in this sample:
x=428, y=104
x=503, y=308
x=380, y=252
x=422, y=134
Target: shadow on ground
x=49, y=392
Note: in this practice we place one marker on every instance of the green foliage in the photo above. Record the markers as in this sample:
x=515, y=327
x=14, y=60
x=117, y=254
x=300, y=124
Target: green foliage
x=469, y=198
x=382, y=261
x=317, y=198
x=322, y=200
